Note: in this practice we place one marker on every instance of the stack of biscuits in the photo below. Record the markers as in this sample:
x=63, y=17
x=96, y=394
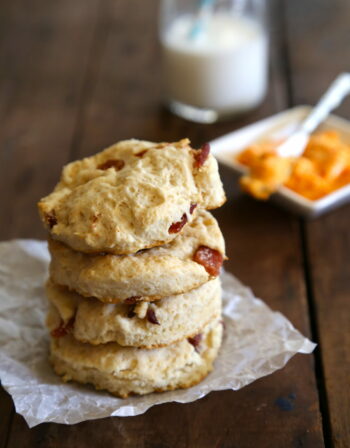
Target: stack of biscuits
x=134, y=292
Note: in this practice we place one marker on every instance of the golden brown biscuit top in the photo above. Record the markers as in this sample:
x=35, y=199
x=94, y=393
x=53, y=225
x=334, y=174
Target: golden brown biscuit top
x=133, y=195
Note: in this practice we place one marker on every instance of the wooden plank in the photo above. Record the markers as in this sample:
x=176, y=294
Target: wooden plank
x=123, y=102
x=6, y=412
x=279, y=410
x=328, y=248
x=43, y=54
x=44, y=50
x=318, y=53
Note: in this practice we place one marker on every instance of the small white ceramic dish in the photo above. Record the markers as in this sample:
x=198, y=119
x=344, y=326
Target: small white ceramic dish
x=226, y=148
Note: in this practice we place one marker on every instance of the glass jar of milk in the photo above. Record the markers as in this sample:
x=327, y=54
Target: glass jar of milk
x=215, y=57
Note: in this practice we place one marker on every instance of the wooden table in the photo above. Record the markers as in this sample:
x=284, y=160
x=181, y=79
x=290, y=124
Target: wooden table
x=79, y=75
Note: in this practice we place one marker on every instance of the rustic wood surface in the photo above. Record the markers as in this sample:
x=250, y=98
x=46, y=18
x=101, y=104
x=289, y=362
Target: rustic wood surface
x=78, y=75
x=326, y=240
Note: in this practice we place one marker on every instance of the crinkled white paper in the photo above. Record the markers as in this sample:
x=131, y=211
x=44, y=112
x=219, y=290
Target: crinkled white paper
x=257, y=342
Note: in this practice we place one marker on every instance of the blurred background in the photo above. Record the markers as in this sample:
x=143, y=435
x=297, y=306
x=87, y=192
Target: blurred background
x=77, y=76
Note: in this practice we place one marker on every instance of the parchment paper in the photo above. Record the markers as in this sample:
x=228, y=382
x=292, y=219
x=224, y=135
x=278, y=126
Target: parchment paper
x=257, y=342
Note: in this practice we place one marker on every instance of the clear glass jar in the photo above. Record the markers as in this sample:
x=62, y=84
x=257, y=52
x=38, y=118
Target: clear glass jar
x=215, y=57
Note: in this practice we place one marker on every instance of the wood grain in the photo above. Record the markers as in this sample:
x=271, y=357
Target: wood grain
x=123, y=100
x=318, y=52
x=80, y=75
x=45, y=53
x=279, y=410
x=329, y=258
x=44, y=47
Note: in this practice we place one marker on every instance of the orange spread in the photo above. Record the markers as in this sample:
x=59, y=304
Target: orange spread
x=323, y=167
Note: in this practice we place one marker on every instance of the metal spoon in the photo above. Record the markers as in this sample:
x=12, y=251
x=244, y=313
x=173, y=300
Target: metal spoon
x=337, y=91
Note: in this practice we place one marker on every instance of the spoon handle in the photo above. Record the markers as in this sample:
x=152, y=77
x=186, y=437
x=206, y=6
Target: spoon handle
x=331, y=99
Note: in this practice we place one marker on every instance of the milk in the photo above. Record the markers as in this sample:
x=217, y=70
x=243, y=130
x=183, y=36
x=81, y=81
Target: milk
x=223, y=69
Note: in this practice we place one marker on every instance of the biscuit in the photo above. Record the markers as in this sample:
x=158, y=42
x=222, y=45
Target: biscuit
x=126, y=370
x=148, y=275
x=142, y=325
x=131, y=196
